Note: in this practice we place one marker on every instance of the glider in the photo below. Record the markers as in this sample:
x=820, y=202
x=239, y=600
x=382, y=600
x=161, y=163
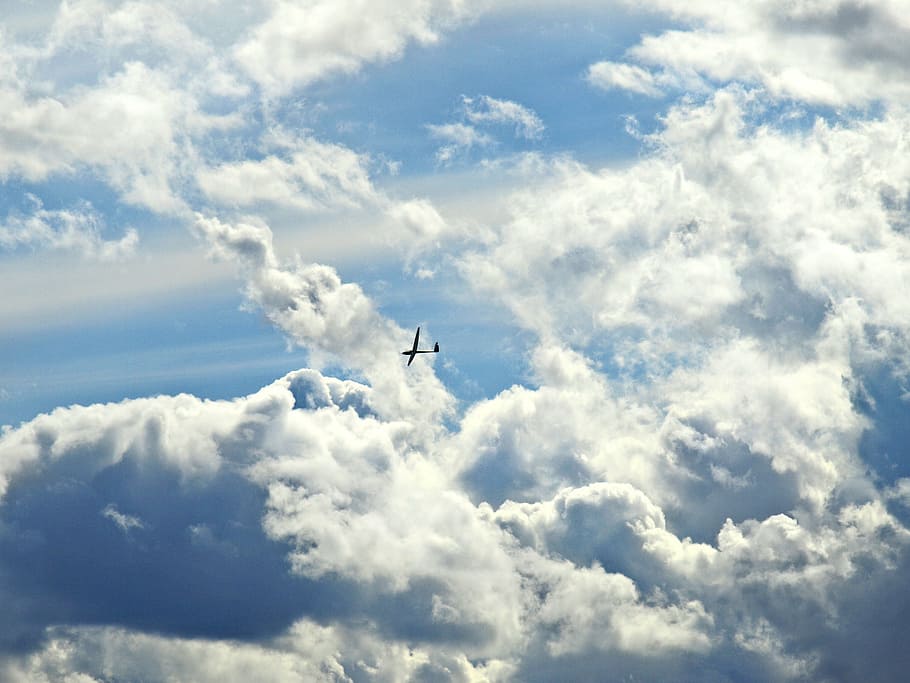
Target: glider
x=414, y=350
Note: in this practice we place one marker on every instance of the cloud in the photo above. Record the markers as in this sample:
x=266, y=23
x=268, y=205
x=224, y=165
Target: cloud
x=464, y=135
x=486, y=110
x=685, y=484
x=301, y=523
x=267, y=508
x=307, y=174
x=614, y=249
x=332, y=319
x=136, y=109
x=296, y=46
x=309, y=651
x=461, y=136
x=607, y=75
x=77, y=230
x=704, y=263
x=837, y=54
x=123, y=522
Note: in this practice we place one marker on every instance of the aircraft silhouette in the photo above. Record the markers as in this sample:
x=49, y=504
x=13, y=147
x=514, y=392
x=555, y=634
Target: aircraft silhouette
x=414, y=351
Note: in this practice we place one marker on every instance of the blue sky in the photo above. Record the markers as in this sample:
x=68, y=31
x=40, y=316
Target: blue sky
x=382, y=111
x=663, y=247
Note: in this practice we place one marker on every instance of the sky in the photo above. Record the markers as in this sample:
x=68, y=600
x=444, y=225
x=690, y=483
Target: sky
x=664, y=247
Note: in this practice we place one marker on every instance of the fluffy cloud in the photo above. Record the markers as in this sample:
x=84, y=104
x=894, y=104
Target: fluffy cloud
x=308, y=175
x=290, y=506
x=703, y=228
x=304, y=175
x=299, y=44
x=200, y=475
x=705, y=266
x=837, y=53
x=683, y=486
x=137, y=107
x=334, y=320
x=137, y=110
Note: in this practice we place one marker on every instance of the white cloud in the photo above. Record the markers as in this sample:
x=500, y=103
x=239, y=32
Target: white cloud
x=680, y=488
x=308, y=652
x=483, y=111
x=486, y=110
x=123, y=521
x=460, y=136
x=134, y=127
x=332, y=319
x=297, y=45
x=77, y=230
x=367, y=511
x=607, y=75
x=837, y=53
x=364, y=513
x=700, y=230
x=306, y=174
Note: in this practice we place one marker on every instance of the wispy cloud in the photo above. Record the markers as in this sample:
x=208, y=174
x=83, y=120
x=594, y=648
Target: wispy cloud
x=607, y=75
x=78, y=230
x=489, y=110
x=460, y=136
x=124, y=522
x=465, y=135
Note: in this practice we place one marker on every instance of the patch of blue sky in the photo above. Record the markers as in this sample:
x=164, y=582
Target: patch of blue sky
x=885, y=400
x=220, y=351
x=203, y=345
x=482, y=351
x=71, y=191
x=790, y=116
x=209, y=346
x=538, y=61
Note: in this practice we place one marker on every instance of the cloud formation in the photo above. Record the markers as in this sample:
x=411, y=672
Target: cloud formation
x=689, y=481
x=485, y=111
x=297, y=45
x=78, y=230
x=841, y=53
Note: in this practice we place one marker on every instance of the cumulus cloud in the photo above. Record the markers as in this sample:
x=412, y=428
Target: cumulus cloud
x=615, y=248
x=305, y=175
x=332, y=319
x=297, y=45
x=133, y=128
x=298, y=487
x=683, y=485
x=139, y=110
x=705, y=263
